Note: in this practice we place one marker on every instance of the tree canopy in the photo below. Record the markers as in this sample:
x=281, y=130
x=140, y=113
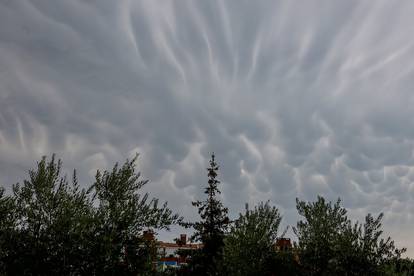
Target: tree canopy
x=330, y=244
x=250, y=244
x=52, y=225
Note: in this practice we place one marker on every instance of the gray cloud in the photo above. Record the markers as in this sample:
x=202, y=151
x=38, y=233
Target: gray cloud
x=296, y=99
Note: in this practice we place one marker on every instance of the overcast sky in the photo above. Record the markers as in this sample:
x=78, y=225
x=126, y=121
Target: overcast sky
x=296, y=98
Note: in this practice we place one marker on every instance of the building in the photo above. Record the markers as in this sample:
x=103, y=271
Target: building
x=283, y=245
x=173, y=254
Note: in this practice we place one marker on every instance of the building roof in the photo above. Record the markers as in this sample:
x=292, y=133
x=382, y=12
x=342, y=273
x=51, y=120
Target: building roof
x=182, y=246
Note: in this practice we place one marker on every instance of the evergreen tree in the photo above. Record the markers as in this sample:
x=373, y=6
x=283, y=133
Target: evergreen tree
x=212, y=227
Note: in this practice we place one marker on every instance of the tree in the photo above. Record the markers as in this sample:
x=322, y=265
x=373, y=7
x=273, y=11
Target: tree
x=329, y=244
x=8, y=221
x=319, y=234
x=49, y=226
x=122, y=214
x=50, y=215
x=212, y=227
x=250, y=244
x=373, y=254
x=7, y=211
x=399, y=267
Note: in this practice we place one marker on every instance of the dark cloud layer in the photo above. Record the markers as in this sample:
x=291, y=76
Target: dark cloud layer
x=297, y=99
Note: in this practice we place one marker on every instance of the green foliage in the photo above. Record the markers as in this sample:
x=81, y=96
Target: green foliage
x=212, y=227
x=122, y=208
x=371, y=253
x=8, y=221
x=7, y=207
x=329, y=244
x=49, y=226
x=319, y=235
x=250, y=245
x=399, y=267
x=285, y=263
x=122, y=214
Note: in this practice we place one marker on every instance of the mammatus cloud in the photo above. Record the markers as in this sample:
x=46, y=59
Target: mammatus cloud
x=296, y=99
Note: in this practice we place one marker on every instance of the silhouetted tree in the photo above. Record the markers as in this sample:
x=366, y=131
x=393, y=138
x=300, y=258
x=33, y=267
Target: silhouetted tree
x=49, y=226
x=51, y=217
x=211, y=228
x=122, y=214
x=319, y=234
x=399, y=267
x=8, y=222
x=250, y=244
x=329, y=244
x=372, y=254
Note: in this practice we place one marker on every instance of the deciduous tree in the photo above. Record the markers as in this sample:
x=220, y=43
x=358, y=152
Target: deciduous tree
x=250, y=244
x=330, y=244
x=50, y=226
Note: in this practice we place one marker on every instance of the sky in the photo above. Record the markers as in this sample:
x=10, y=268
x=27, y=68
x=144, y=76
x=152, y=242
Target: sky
x=295, y=98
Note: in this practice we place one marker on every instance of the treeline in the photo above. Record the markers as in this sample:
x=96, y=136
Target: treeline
x=49, y=225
